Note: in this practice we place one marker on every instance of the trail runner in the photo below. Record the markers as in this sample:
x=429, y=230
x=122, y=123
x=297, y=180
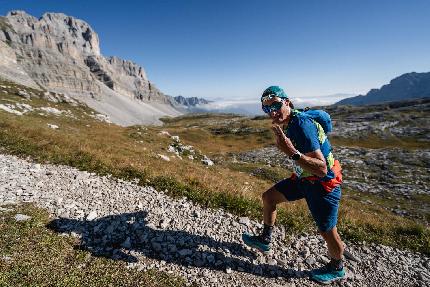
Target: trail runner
x=316, y=178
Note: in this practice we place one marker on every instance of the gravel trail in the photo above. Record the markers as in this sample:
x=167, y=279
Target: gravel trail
x=149, y=229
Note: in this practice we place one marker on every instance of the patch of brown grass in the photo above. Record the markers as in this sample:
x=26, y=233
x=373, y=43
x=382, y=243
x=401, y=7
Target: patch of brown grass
x=375, y=142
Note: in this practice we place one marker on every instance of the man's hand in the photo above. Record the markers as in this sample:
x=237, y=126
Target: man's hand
x=282, y=141
x=313, y=162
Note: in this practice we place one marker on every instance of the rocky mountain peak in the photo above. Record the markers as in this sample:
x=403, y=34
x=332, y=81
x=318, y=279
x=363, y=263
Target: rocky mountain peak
x=66, y=34
x=21, y=15
x=61, y=53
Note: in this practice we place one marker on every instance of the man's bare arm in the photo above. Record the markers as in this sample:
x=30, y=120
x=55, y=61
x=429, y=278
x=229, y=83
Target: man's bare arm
x=314, y=162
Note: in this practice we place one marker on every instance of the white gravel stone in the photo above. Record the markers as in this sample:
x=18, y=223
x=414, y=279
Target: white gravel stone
x=22, y=217
x=6, y=258
x=163, y=157
x=50, y=110
x=310, y=260
x=244, y=221
x=175, y=138
x=164, y=133
x=2, y=209
x=92, y=215
x=207, y=161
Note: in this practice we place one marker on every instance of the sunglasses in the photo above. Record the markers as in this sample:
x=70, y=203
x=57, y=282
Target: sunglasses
x=271, y=108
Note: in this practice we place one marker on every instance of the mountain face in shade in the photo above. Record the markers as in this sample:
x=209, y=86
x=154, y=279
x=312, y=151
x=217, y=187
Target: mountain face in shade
x=190, y=102
x=407, y=86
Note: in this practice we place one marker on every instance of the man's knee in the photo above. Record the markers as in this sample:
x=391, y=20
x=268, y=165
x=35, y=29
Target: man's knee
x=266, y=196
x=331, y=234
x=272, y=197
x=327, y=233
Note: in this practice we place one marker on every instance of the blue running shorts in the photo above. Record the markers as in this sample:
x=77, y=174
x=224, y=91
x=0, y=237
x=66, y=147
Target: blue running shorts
x=323, y=205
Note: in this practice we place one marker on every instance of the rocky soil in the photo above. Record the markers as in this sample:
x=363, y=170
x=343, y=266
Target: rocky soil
x=402, y=120
x=148, y=229
x=395, y=171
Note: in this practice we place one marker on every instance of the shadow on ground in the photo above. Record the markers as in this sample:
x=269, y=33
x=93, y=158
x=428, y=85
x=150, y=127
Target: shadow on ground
x=124, y=236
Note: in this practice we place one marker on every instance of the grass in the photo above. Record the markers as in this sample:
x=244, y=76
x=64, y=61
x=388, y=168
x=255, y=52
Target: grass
x=221, y=133
x=268, y=173
x=359, y=222
x=33, y=255
x=417, y=205
x=131, y=153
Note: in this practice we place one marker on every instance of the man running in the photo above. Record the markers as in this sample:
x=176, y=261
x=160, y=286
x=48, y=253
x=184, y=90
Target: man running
x=316, y=178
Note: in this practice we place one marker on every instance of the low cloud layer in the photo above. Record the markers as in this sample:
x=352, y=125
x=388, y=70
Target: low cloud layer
x=253, y=107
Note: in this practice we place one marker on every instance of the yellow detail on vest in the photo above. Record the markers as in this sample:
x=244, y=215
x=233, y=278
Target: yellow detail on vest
x=330, y=160
x=298, y=170
x=321, y=134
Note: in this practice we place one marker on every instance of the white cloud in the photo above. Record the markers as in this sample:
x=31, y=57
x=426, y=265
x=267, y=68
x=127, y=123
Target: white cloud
x=222, y=104
x=251, y=107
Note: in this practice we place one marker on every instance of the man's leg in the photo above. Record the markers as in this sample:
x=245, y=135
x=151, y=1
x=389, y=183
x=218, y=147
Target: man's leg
x=324, y=208
x=334, y=243
x=271, y=198
x=334, y=269
x=285, y=190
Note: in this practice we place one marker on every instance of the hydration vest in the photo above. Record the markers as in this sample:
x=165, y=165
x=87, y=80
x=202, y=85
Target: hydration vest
x=320, y=116
x=334, y=173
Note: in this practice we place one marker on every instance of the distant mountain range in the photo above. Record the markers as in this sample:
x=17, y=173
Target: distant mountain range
x=190, y=102
x=407, y=86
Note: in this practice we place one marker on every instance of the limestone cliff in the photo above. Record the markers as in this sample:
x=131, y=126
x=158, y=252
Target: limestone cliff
x=61, y=53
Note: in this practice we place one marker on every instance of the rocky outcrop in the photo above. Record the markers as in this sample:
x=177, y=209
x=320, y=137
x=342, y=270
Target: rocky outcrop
x=10, y=69
x=51, y=49
x=60, y=53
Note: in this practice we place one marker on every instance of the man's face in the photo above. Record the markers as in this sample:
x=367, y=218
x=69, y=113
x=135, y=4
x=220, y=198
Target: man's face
x=277, y=109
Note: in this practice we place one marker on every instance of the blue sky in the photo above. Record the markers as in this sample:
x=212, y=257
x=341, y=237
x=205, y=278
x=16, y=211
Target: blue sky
x=236, y=48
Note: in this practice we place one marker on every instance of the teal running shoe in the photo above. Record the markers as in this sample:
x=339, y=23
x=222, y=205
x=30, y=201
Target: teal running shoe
x=327, y=274
x=255, y=241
